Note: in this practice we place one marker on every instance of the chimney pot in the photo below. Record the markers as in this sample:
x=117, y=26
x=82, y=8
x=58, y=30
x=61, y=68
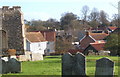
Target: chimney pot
x=87, y=33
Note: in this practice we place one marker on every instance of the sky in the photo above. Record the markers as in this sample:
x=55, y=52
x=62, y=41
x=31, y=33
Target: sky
x=46, y=9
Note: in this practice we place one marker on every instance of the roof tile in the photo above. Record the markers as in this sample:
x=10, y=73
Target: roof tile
x=98, y=36
x=112, y=28
x=35, y=36
x=49, y=35
x=98, y=45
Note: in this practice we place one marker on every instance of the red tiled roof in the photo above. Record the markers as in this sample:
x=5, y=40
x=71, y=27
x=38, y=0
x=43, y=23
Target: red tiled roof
x=98, y=36
x=98, y=45
x=112, y=28
x=49, y=35
x=35, y=36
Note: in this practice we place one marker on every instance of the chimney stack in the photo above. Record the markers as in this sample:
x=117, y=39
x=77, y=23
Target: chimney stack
x=87, y=33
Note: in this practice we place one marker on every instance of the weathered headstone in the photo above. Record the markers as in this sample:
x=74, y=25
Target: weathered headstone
x=73, y=65
x=3, y=67
x=22, y=58
x=79, y=64
x=14, y=66
x=67, y=60
x=104, y=67
x=0, y=66
x=37, y=56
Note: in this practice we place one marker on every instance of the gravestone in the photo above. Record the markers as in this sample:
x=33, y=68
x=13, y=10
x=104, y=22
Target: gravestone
x=3, y=64
x=73, y=65
x=79, y=64
x=104, y=67
x=36, y=56
x=14, y=66
x=67, y=61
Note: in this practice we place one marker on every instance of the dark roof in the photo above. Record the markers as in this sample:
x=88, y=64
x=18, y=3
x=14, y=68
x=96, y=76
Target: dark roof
x=74, y=51
x=98, y=45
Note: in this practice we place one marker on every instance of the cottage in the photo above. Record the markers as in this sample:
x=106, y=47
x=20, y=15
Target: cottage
x=50, y=37
x=95, y=48
x=117, y=31
x=111, y=28
x=36, y=45
x=91, y=38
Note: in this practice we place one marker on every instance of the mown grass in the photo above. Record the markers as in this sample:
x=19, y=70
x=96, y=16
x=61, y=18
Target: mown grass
x=51, y=65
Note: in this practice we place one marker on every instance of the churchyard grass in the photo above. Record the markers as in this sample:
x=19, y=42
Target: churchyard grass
x=51, y=65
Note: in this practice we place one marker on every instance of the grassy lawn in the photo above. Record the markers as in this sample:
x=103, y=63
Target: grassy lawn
x=51, y=65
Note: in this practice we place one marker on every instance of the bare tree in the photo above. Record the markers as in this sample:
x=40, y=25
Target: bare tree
x=115, y=6
x=94, y=15
x=115, y=20
x=94, y=18
x=103, y=18
x=85, y=11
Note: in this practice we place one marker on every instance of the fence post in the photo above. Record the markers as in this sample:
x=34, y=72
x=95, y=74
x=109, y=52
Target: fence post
x=104, y=66
x=67, y=59
x=79, y=64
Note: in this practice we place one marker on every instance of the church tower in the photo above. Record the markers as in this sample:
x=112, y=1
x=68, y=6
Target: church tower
x=11, y=29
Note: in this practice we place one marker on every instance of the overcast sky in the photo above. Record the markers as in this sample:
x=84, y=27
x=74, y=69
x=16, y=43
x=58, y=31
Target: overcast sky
x=45, y=9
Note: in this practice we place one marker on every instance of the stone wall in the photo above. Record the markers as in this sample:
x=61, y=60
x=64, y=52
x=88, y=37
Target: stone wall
x=12, y=24
x=119, y=11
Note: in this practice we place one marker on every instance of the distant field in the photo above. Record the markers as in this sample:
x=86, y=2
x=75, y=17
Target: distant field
x=51, y=65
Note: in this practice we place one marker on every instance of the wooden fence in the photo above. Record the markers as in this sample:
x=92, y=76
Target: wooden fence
x=76, y=65
x=10, y=66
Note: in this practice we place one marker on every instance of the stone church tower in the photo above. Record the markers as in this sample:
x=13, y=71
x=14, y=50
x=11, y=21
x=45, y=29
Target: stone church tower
x=119, y=13
x=11, y=29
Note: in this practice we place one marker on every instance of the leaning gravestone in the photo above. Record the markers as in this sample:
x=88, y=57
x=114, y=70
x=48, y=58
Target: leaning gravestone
x=14, y=66
x=79, y=64
x=67, y=64
x=104, y=67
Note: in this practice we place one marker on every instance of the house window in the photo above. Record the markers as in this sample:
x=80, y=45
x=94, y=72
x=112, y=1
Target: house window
x=38, y=45
x=48, y=50
x=48, y=42
x=3, y=38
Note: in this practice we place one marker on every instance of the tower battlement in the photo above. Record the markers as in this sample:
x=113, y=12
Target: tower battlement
x=13, y=8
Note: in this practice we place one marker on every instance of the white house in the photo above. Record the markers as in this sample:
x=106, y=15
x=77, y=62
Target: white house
x=35, y=42
x=50, y=36
x=35, y=46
